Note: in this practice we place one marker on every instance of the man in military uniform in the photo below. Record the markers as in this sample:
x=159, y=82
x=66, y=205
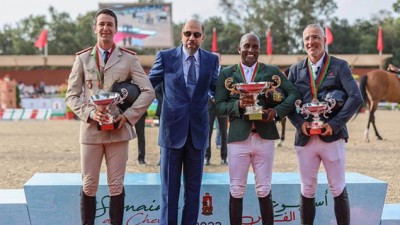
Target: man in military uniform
x=97, y=69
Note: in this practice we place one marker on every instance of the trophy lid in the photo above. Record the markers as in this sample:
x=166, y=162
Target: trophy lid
x=104, y=98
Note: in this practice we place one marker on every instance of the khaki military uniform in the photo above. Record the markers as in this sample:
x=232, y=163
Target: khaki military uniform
x=84, y=81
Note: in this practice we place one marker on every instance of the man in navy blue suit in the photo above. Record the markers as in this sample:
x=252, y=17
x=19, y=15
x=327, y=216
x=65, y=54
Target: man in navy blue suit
x=187, y=73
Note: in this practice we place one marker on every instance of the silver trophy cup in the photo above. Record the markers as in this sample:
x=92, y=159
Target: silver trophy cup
x=316, y=108
x=106, y=102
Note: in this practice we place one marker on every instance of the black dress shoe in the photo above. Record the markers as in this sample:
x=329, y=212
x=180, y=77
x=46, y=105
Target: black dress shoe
x=224, y=162
x=207, y=162
x=142, y=162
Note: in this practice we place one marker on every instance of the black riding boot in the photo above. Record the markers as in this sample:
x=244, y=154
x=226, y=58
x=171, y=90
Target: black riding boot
x=235, y=210
x=307, y=210
x=342, y=208
x=267, y=210
x=117, y=204
x=88, y=209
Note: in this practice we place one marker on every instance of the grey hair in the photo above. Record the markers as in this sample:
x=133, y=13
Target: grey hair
x=313, y=25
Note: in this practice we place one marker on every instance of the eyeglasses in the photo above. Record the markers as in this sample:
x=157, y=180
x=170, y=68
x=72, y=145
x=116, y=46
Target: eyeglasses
x=195, y=34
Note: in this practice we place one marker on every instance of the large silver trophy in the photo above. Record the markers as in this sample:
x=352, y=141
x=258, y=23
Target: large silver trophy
x=106, y=102
x=315, y=108
x=253, y=112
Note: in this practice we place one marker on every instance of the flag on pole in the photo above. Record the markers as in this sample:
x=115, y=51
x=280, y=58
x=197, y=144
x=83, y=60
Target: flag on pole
x=42, y=39
x=328, y=35
x=214, y=46
x=379, y=44
x=269, y=42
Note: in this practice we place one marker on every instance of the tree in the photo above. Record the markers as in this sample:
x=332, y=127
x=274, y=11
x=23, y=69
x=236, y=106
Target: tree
x=228, y=35
x=396, y=6
x=285, y=18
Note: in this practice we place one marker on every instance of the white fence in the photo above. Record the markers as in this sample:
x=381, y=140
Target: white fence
x=387, y=105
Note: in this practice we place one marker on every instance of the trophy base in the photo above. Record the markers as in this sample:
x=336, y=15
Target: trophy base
x=108, y=126
x=255, y=116
x=313, y=131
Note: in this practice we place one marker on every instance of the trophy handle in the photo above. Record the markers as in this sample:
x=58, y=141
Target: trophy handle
x=230, y=87
x=271, y=86
x=120, y=99
x=277, y=81
x=331, y=104
x=301, y=110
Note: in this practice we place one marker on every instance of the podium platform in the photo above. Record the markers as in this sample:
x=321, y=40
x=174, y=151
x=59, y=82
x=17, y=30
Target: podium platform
x=391, y=214
x=53, y=198
x=13, y=207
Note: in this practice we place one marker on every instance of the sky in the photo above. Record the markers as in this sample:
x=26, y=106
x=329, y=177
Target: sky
x=15, y=10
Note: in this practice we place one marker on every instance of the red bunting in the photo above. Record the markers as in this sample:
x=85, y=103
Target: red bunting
x=269, y=43
x=379, y=44
x=328, y=35
x=42, y=39
x=214, y=47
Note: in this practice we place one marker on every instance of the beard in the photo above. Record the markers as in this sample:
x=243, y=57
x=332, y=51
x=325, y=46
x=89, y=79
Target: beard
x=191, y=50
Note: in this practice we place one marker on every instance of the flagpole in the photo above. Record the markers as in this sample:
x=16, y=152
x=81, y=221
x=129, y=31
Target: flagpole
x=45, y=50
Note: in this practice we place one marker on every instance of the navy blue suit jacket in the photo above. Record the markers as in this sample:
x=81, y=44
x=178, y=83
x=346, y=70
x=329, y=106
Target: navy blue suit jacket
x=339, y=77
x=179, y=111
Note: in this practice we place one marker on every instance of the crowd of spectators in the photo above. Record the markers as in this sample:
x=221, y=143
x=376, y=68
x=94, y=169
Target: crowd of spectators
x=40, y=90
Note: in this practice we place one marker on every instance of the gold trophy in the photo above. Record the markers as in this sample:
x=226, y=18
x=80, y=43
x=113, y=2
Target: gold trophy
x=316, y=108
x=253, y=112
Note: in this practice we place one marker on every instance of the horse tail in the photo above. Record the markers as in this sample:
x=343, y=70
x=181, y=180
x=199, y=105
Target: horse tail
x=363, y=90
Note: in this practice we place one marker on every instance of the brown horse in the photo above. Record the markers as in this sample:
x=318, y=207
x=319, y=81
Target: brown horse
x=375, y=86
x=283, y=123
x=283, y=120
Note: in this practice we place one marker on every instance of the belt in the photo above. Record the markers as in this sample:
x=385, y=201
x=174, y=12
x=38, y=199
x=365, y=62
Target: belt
x=254, y=130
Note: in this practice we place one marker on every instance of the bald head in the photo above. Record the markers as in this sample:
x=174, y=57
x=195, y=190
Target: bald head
x=193, y=22
x=249, y=49
x=192, y=36
x=246, y=36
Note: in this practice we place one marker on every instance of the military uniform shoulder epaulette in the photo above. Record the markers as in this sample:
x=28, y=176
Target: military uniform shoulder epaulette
x=84, y=50
x=128, y=51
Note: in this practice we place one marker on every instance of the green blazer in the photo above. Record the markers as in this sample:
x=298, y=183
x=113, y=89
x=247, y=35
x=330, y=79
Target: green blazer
x=228, y=105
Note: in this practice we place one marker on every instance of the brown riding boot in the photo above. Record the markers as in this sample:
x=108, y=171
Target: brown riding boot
x=117, y=204
x=88, y=209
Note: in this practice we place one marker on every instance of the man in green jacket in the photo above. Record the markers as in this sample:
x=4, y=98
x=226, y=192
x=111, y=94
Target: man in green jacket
x=251, y=142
